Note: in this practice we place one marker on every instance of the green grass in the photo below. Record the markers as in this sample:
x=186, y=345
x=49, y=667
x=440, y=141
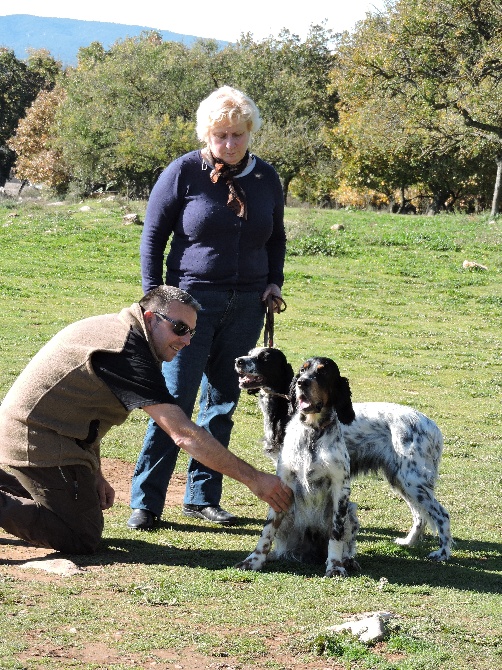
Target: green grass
x=388, y=299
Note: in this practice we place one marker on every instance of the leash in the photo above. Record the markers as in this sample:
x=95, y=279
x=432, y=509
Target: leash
x=273, y=302
x=270, y=392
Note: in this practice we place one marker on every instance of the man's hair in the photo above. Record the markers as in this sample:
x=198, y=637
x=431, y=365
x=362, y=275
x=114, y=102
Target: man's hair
x=226, y=104
x=160, y=298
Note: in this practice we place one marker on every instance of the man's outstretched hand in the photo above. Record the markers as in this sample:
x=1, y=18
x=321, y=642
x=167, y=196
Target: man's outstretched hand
x=273, y=491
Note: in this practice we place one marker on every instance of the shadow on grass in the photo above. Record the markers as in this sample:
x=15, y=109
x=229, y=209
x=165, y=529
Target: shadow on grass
x=424, y=575
x=243, y=526
x=404, y=567
x=488, y=554
x=379, y=557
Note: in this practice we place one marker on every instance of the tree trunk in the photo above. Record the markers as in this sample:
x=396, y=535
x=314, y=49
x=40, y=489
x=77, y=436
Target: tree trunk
x=402, y=206
x=5, y=168
x=497, y=191
x=437, y=203
x=285, y=187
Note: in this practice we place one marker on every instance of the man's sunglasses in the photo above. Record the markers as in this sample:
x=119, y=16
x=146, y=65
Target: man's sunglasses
x=179, y=327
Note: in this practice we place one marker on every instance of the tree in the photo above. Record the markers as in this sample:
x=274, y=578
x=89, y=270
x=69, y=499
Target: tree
x=130, y=110
x=291, y=149
x=383, y=146
x=44, y=68
x=37, y=161
x=375, y=146
x=20, y=83
x=441, y=57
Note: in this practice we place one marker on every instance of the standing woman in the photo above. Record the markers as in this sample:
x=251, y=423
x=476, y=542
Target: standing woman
x=222, y=209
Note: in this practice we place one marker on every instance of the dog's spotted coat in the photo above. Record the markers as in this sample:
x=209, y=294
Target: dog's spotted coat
x=314, y=463
x=395, y=440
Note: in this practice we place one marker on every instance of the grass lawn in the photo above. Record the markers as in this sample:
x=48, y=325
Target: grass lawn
x=388, y=298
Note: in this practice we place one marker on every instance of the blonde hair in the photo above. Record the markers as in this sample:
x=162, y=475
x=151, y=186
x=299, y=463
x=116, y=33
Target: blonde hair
x=226, y=104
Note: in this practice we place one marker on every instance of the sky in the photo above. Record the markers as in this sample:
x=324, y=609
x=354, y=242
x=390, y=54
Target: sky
x=203, y=18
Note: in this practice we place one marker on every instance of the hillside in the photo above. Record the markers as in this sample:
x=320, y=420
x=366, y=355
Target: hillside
x=64, y=37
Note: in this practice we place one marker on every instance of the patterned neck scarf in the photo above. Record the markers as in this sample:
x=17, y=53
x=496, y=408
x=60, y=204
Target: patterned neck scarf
x=236, y=196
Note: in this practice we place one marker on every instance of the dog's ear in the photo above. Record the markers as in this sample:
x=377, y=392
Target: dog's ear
x=343, y=402
x=289, y=371
x=292, y=395
x=286, y=379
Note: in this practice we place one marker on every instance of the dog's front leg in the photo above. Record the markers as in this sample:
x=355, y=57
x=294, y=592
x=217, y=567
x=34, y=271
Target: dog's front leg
x=334, y=562
x=257, y=559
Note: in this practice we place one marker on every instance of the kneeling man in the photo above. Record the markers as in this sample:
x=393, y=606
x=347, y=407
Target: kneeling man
x=86, y=379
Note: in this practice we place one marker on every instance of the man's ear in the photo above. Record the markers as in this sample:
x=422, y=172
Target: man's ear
x=148, y=316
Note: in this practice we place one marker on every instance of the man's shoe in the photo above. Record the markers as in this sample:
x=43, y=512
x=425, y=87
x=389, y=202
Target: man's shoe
x=142, y=519
x=213, y=513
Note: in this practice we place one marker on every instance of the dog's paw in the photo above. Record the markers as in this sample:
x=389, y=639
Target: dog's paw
x=250, y=563
x=336, y=569
x=410, y=540
x=336, y=572
x=351, y=565
x=442, y=554
x=244, y=565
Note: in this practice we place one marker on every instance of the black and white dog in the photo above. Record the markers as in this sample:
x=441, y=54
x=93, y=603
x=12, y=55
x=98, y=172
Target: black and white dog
x=398, y=441
x=313, y=461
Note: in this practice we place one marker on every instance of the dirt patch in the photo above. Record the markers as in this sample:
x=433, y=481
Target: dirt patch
x=119, y=474
x=165, y=659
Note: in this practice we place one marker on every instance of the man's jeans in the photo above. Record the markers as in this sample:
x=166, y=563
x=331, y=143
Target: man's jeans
x=228, y=326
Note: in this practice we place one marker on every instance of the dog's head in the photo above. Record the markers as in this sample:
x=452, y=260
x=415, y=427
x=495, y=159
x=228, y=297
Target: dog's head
x=264, y=368
x=318, y=387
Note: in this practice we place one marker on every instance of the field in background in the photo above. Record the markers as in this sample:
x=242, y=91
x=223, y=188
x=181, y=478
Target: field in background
x=388, y=298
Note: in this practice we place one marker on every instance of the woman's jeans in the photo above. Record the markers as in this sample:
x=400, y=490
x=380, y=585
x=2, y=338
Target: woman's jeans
x=228, y=326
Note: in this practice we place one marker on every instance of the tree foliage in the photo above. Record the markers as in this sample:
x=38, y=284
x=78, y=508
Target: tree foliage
x=409, y=102
x=442, y=59
x=130, y=110
x=20, y=83
x=38, y=161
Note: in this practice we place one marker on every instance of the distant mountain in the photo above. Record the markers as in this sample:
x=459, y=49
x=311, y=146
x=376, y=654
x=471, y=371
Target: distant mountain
x=64, y=37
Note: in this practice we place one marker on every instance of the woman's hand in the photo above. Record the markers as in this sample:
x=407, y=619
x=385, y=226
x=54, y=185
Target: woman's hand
x=275, y=292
